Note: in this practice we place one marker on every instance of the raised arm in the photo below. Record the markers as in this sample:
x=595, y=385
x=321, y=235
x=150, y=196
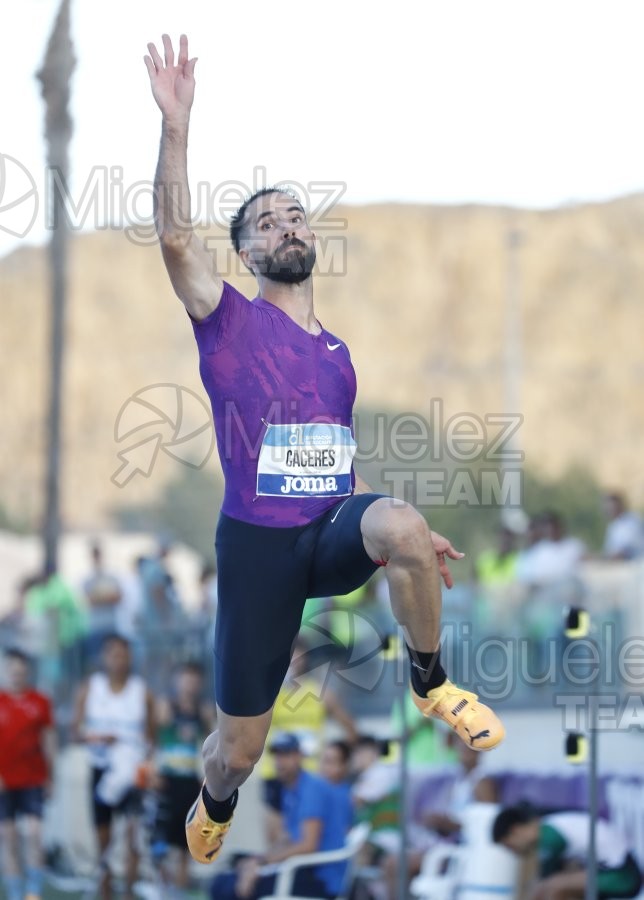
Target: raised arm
x=190, y=265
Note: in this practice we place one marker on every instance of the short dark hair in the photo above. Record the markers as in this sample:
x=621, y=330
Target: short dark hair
x=343, y=748
x=239, y=220
x=115, y=638
x=192, y=666
x=370, y=742
x=509, y=818
x=616, y=498
x=17, y=653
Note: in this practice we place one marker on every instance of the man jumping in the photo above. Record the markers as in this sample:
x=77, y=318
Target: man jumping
x=296, y=521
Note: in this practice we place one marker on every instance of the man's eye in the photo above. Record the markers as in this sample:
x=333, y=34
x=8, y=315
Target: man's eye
x=266, y=225
x=296, y=219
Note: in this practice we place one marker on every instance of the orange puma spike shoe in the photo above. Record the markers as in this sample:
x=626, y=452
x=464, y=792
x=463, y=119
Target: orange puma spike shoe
x=205, y=837
x=472, y=721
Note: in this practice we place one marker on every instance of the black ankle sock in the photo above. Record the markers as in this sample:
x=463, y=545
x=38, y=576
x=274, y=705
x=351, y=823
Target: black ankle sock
x=426, y=671
x=219, y=810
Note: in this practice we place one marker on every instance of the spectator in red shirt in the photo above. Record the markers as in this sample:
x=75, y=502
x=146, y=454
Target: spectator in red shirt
x=26, y=755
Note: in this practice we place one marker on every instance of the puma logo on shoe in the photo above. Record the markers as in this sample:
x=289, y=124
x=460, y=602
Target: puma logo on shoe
x=481, y=734
x=215, y=851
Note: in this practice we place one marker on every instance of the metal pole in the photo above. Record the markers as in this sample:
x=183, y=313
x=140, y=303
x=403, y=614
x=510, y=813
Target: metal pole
x=55, y=77
x=513, y=344
x=591, y=879
x=403, y=868
x=512, y=366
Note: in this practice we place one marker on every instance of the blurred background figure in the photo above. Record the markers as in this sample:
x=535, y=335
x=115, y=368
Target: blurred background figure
x=335, y=763
x=161, y=603
x=624, y=538
x=548, y=568
x=314, y=816
x=115, y=718
x=184, y=720
x=498, y=565
x=498, y=593
x=57, y=624
x=555, y=852
x=129, y=613
x=376, y=797
x=162, y=620
x=303, y=706
x=437, y=809
x=17, y=628
x=27, y=748
x=103, y=596
x=551, y=555
x=335, y=768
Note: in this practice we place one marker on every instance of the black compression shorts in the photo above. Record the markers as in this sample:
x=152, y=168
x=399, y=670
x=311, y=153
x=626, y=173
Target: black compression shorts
x=264, y=577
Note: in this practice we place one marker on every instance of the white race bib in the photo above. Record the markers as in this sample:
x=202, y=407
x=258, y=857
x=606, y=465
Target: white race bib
x=312, y=460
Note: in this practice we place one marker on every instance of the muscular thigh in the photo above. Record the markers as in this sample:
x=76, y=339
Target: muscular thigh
x=262, y=586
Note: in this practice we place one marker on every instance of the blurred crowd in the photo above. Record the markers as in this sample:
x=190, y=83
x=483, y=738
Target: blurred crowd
x=127, y=671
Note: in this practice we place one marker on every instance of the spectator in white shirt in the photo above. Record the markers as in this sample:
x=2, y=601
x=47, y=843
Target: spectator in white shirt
x=624, y=538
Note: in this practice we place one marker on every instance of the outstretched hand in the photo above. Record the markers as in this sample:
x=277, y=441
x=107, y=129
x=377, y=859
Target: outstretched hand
x=173, y=85
x=444, y=548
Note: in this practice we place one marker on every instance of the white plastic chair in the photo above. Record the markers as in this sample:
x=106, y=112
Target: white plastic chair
x=439, y=874
x=285, y=871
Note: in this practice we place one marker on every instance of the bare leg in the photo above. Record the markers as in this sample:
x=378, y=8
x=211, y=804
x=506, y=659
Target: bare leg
x=182, y=871
x=230, y=752
x=396, y=533
x=563, y=886
x=391, y=871
x=34, y=858
x=132, y=862
x=11, y=874
x=104, y=836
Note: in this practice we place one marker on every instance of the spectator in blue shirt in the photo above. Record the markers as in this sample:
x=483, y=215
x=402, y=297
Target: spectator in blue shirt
x=314, y=818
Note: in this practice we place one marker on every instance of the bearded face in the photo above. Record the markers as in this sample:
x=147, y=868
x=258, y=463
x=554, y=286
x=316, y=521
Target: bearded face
x=290, y=263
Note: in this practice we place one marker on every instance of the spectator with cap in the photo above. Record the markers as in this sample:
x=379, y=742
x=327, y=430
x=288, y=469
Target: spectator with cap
x=313, y=820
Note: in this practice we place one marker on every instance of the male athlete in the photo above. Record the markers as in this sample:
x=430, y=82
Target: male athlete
x=296, y=521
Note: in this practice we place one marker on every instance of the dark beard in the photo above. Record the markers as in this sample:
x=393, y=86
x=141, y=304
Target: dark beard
x=288, y=266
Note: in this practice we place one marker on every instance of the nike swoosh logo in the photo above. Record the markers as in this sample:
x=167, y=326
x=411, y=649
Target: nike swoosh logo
x=333, y=346
x=337, y=513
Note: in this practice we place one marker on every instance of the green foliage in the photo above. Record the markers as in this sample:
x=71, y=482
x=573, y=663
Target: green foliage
x=186, y=511
x=11, y=522
x=575, y=495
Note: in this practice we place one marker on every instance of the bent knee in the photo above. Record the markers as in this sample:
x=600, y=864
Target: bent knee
x=400, y=530
x=239, y=758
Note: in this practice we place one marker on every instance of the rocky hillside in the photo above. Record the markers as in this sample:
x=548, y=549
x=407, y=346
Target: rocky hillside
x=419, y=293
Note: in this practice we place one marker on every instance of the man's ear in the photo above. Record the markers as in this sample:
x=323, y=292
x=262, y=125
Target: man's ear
x=244, y=255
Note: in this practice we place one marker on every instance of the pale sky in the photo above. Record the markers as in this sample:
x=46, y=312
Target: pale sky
x=521, y=102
